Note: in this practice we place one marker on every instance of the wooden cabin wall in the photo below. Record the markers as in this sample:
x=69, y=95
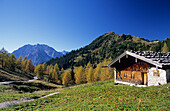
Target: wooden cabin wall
x=133, y=73
x=139, y=66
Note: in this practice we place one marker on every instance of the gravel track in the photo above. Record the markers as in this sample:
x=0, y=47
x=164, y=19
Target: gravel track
x=14, y=102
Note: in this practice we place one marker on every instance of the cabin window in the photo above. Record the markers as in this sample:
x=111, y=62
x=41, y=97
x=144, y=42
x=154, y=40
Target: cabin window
x=120, y=75
x=125, y=75
x=132, y=76
x=156, y=73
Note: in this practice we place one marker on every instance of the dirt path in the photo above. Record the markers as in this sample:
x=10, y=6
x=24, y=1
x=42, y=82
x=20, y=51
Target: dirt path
x=9, y=82
x=14, y=102
x=9, y=103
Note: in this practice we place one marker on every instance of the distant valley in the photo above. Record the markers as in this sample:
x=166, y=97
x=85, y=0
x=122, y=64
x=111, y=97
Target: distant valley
x=38, y=53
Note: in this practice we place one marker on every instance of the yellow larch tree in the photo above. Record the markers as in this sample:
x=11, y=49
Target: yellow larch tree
x=29, y=66
x=103, y=71
x=80, y=76
x=24, y=62
x=110, y=74
x=97, y=72
x=56, y=68
x=106, y=72
x=54, y=76
x=38, y=70
x=18, y=62
x=87, y=68
x=165, y=48
x=47, y=69
x=61, y=74
x=50, y=73
x=67, y=78
x=44, y=66
x=90, y=75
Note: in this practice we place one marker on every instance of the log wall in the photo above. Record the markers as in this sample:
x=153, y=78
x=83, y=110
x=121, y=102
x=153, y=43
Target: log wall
x=133, y=73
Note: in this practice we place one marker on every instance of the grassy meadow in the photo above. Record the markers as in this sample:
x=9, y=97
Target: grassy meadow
x=32, y=89
x=101, y=96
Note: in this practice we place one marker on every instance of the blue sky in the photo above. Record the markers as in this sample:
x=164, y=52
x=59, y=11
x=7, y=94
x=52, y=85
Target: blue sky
x=71, y=24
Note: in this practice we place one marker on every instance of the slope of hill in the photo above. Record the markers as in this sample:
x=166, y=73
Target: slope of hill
x=107, y=45
x=6, y=75
x=38, y=53
x=102, y=96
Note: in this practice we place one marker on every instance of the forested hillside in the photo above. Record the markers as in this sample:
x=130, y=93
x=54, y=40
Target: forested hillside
x=15, y=69
x=87, y=60
x=106, y=46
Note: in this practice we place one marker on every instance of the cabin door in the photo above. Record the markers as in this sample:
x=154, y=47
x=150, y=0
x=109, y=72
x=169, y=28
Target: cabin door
x=144, y=78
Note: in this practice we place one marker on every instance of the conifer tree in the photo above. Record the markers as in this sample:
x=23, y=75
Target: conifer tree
x=56, y=68
x=90, y=75
x=80, y=76
x=39, y=71
x=51, y=74
x=62, y=70
x=18, y=62
x=72, y=74
x=4, y=58
x=1, y=59
x=51, y=66
x=89, y=65
x=165, y=48
x=24, y=62
x=61, y=74
x=54, y=76
x=67, y=78
x=44, y=66
x=97, y=72
x=106, y=73
x=110, y=73
x=12, y=62
x=47, y=69
x=109, y=60
x=87, y=68
x=29, y=66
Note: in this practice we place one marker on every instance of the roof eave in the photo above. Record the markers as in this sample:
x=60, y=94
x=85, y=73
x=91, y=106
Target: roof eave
x=136, y=56
x=119, y=57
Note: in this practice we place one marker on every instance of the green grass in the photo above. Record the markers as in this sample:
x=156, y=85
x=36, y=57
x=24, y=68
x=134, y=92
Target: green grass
x=28, y=89
x=6, y=75
x=103, y=96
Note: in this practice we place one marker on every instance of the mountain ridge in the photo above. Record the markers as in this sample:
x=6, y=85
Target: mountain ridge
x=38, y=53
x=105, y=46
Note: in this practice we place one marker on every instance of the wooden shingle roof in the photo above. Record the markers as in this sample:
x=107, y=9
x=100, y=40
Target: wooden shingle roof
x=158, y=59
